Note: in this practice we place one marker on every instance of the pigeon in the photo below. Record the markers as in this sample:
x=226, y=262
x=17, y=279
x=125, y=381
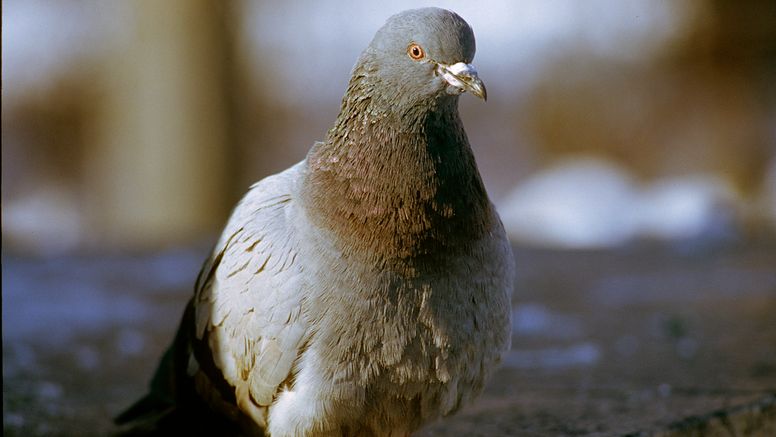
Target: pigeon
x=366, y=290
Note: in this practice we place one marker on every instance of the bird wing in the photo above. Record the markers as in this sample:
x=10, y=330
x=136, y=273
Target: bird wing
x=248, y=300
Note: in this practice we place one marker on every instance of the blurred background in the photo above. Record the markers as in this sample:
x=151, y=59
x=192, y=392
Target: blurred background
x=629, y=145
x=138, y=124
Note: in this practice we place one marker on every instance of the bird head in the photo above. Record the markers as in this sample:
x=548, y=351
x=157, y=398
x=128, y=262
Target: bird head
x=422, y=54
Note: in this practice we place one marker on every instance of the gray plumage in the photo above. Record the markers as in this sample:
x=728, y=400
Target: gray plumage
x=366, y=290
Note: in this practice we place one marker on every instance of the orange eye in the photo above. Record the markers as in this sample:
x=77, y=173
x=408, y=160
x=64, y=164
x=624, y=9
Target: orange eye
x=416, y=52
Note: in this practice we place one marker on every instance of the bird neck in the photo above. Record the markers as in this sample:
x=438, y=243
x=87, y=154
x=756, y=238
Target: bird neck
x=398, y=187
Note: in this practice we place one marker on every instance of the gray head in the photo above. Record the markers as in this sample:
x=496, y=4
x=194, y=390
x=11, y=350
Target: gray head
x=422, y=54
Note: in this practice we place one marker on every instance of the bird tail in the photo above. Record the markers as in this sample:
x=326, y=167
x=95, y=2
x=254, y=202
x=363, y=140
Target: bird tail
x=155, y=402
x=167, y=384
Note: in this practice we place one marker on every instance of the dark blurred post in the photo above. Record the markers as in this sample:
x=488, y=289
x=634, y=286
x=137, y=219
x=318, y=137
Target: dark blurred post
x=161, y=152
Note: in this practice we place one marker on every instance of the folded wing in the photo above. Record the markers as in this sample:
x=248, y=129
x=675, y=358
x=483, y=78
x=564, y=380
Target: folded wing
x=248, y=302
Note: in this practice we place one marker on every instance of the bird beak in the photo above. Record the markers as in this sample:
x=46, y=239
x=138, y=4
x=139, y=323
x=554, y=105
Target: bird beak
x=464, y=77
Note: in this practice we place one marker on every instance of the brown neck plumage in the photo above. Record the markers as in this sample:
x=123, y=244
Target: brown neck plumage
x=400, y=188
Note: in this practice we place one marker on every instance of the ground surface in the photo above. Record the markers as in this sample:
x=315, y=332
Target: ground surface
x=644, y=340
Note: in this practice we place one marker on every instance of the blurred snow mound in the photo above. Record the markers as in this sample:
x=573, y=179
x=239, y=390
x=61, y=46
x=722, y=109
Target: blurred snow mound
x=576, y=204
x=687, y=207
x=592, y=203
x=47, y=221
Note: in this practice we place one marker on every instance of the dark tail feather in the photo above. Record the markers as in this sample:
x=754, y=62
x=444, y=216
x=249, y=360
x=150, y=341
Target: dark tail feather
x=176, y=421
x=173, y=407
x=166, y=383
x=149, y=407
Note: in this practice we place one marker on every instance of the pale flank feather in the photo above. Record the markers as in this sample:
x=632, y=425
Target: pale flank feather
x=250, y=308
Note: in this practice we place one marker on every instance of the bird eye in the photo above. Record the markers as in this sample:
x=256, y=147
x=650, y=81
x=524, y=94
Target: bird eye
x=416, y=52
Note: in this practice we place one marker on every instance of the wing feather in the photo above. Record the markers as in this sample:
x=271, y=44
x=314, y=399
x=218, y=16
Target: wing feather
x=248, y=304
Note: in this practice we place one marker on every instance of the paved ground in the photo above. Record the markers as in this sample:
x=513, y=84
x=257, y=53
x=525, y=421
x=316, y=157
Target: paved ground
x=645, y=340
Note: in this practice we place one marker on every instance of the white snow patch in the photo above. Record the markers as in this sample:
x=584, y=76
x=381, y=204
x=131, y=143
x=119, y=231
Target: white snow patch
x=686, y=207
x=592, y=203
x=578, y=355
x=49, y=221
x=578, y=204
x=533, y=319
